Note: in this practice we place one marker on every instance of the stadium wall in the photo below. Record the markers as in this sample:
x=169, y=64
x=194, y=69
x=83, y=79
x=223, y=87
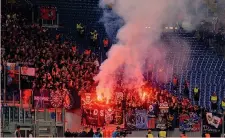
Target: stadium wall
x=73, y=121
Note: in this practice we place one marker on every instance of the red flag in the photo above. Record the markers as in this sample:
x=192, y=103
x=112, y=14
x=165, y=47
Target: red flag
x=27, y=71
x=87, y=52
x=57, y=36
x=26, y=96
x=151, y=123
x=101, y=117
x=48, y=13
x=74, y=48
x=106, y=42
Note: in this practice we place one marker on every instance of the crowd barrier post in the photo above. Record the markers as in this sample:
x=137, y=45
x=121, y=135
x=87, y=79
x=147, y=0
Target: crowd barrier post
x=9, y=118
x=55, y=122
x=223, y=125
x=63, y=119
x=21, y=99
x=201, y=130
x=4, y=83
x=4, y=96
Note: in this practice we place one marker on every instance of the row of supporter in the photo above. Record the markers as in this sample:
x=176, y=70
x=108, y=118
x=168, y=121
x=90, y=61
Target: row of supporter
x=216, y=106
x=94, y=36
x=162, y=111
x=58, y=65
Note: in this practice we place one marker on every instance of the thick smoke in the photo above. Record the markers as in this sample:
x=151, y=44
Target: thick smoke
x=112, y=22
x=139, y=48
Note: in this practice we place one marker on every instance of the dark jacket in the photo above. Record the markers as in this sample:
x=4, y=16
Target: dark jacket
x=90, y=134
x=97, y=134
x=83, y=134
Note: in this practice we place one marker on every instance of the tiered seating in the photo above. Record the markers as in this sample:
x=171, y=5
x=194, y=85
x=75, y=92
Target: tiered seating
x=72, y=12
x=206, y=69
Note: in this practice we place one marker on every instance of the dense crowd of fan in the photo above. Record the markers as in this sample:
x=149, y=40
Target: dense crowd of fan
x=58, y=63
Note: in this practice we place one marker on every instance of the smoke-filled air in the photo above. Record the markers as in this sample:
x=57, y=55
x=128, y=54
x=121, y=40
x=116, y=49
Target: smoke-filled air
x=137, y=48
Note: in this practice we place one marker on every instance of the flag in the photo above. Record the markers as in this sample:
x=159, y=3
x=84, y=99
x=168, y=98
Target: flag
x=74, y=48
x=48, y=13
x=109, y=116
x=151, y=123
x=12, y=68
x=101, y=117
x=27, y=71
x=87, y=52
x=41, y=98
x=152, y=110
x=12, y=79
x=141, y=119
x=106, y=42
x=57, y=36
x=27, y=76
x=27, y=96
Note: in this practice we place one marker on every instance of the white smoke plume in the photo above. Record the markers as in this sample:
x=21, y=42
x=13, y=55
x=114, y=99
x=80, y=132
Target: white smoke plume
x=138, y=46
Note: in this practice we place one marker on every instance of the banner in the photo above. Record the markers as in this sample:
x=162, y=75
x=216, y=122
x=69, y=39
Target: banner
x=68, y=100
x=12, y=85
x=152, y=110
x=27, y=77
x=212, y=123
x=27, y=71
x=41, y=98
x=101, y=116
x=94, y=116
x=151, y=123
x=164, y=107
x=61, y=98
x=48, y=13
x=131, y=119
x=27, y=96
x=87, y=99
x=56, y=98
x=118, y=117
x=171, y=124
x=161, y=122
x=2, y=69
x=190, y=122
x=109, y=116
x=141, y=119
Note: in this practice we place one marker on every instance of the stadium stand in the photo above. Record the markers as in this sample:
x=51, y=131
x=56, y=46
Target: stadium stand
x=33, y=45
x=53, y=57
x=205, y=68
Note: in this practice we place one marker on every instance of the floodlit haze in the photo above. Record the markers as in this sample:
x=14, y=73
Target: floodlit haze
x=137, y=47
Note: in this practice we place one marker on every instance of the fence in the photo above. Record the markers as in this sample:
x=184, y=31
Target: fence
x=17, y=83
x=20, y=88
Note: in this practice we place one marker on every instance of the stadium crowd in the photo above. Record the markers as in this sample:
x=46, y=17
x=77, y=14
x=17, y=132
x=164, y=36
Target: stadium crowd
x=58, y=64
